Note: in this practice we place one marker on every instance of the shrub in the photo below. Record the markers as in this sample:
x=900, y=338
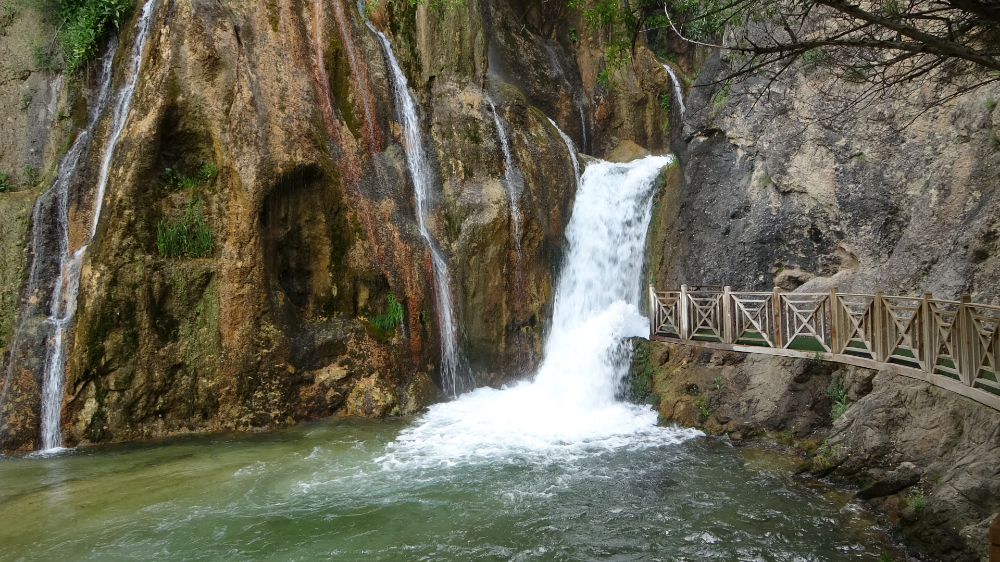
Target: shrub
x=84, y=24
x=838, y=393
x=189, y=237
x=393, y=314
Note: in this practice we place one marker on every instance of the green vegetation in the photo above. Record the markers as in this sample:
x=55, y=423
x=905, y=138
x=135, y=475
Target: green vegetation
x=177, y=180
x=665, y=105
x=884, y=558
x=838, y=393
x=25, y=100
x=825, y=453
x=917, y=501
x=81, y=25
x=393, y=315
x=701, y=402
x=30, y=175
x=718, y=383
x=5, y=184
x=604, y=78
x=189, y=237
x=722, y=94
x=991, y=104
x=572, y=34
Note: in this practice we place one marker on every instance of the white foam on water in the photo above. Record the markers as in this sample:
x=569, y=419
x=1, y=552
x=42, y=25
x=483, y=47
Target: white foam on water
x=570, y=408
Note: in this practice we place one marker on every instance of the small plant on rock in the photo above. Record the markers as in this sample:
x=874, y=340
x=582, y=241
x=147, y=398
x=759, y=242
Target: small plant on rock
x=30, y=175
x=718, y=383
x=189, y=237
x=838, y=393
x=5, y=184
x=917, y=501
x=702, y=404
x=393, y=315
x=178, y=180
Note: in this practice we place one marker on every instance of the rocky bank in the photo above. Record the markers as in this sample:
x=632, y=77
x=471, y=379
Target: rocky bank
x=922, y=456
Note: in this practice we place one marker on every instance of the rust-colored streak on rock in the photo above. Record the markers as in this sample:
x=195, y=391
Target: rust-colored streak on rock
x=361, y=79
x=348, y=163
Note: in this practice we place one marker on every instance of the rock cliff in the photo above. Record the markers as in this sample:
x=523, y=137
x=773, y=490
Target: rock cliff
x=271, y=127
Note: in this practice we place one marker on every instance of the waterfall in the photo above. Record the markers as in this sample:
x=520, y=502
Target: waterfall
x=678, y=93
x=455, y=376
x=583, y=126
x=51, y=210
x=570, y=408
x=62, y=307
x=572, y=151
x=510, y=179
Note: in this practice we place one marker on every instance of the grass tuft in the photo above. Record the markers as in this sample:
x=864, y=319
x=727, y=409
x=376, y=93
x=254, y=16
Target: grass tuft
x=189, y=237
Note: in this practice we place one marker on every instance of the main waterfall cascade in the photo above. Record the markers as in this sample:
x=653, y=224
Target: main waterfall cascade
x=455, y=375
x=570, y=407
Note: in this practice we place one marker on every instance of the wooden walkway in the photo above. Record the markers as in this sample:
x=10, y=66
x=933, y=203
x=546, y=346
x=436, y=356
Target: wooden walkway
x=951, y=344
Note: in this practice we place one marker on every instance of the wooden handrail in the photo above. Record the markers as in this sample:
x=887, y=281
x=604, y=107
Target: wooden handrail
x=952, y=344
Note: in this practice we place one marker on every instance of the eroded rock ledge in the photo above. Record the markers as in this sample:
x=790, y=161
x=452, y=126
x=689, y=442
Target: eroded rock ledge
x=924, y=457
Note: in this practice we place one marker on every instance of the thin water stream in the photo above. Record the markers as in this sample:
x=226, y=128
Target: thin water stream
x=455, y=375
x=678, y=92
x=63, y=300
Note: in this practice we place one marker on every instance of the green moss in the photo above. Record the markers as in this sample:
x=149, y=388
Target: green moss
x=640, y=382
x=722, y=94
x=359, y=231
x=272, y=14
x=338, y=71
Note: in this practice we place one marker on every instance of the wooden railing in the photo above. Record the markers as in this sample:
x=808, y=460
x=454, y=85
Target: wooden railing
x=951, y=344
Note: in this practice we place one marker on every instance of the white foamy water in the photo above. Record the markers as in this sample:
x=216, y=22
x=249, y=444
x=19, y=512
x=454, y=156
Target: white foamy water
x=569, y=409
x=678, y=92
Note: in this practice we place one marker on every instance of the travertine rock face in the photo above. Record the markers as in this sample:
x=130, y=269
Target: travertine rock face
x=785, y=198
x=311, y=210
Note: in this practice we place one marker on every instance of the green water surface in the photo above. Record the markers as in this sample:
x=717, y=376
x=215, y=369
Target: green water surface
x=317, y=492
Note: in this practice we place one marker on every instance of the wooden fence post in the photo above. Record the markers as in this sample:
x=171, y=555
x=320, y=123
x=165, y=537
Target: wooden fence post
x=779, y=332
x=927, y=353
x=966, y=336
x=727, y=315
x=835, y=326
x=653, y=309
x=880, y=336
x=683, y=314
x=995, y=540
